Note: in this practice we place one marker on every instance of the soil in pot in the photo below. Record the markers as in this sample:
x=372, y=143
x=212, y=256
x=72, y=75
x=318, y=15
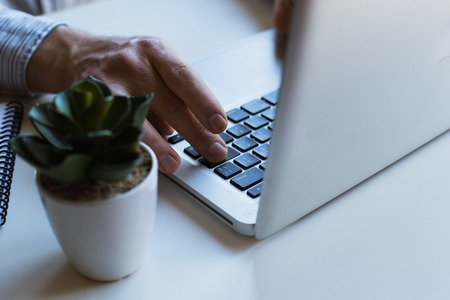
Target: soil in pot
x=97, y=190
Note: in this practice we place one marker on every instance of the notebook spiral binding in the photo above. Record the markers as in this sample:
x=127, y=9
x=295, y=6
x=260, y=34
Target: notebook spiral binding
x=9, y=128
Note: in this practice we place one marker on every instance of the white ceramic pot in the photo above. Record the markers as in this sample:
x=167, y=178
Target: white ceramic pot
x=108, y=239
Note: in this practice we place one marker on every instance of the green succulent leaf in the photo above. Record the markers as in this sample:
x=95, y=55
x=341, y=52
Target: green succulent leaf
x=80, y=102
x=141, y=106
x=105, y=89
x=36, y=151
x=92, y=118
x=73, y=169
x=47, y=115
x=115, y=169
x=91, y=142
x=130, y=136
x=62, y=103
x=84, y=94
x=38, y=113
x=54, y=137
x=118, y=112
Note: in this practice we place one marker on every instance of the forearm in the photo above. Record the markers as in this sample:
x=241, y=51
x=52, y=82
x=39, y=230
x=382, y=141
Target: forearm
x=20, y=36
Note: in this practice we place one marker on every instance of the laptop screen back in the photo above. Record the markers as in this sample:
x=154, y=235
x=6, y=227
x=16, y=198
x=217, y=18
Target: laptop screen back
x=361, y=89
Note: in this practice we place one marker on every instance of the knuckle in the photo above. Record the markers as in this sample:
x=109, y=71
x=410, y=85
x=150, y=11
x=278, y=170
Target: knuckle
x=200, y=137
x=180, y=73
x=151, y=45
x=124, y=58
x=158, y=49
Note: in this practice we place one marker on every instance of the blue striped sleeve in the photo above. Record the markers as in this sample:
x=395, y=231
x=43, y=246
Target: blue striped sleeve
x=20, y=35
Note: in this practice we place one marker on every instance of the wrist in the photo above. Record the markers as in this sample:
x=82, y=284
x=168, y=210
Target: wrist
x=53, y=66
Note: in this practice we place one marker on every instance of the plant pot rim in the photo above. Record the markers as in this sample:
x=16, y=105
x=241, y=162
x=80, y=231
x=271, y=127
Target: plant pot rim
x=113, y=198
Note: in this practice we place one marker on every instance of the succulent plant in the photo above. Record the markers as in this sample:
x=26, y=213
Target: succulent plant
x=86, y=134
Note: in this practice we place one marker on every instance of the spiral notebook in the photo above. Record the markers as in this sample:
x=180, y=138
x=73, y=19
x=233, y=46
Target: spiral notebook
x=10, y=122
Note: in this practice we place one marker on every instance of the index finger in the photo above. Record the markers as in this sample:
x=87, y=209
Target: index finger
x=188, y=86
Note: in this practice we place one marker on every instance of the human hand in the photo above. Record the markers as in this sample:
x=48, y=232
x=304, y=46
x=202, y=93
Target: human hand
x=137, y=66
x=282, y=15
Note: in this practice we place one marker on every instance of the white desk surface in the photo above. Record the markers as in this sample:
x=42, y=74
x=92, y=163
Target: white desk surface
x=388, y=238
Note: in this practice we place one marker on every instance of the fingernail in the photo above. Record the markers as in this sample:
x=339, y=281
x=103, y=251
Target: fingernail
x=167, y=163
x=217, y=123
x=218, y=151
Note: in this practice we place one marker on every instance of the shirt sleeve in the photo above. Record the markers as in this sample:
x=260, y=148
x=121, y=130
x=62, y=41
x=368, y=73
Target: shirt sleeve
x=20, y=36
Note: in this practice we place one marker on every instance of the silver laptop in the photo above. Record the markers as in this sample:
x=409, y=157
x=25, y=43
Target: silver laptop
x=364, y=83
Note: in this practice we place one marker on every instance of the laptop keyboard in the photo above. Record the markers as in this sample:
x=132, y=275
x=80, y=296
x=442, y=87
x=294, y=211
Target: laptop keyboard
x=248, y=140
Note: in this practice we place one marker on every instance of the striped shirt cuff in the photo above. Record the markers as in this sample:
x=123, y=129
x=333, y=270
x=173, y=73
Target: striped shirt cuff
x=20, y=35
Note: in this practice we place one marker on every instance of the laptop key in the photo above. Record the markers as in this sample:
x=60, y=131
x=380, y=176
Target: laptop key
x=263, y=166
x=237, y=115
x=226, y=137
x=232, y=153
x=175, y=139
x=256, y=106
x=239, y=130
x=262, y=151
x=262, y=135
x=270, y=114
x=247, y=179
x=191, y=152
x=247, y=161
x=272, y=97
x=256, y=122
x=255, y=191
x=227, y=170
x=244, y=144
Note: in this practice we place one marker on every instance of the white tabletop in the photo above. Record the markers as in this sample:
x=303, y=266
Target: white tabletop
x=388, y=238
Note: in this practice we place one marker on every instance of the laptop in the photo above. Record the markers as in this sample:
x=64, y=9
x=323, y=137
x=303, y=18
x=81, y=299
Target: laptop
x=362, y=84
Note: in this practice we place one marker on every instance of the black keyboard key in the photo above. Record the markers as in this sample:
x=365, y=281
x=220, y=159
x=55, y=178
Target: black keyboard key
x=227, y=170
x=270, y=114
x=232, y=153
x=244, y=144
x=248, y=179
x=226, y=137
x=247, y=160
x=272, y=98
x=262, y=135
x=237, y=115
x=256, y=106
x=262, y=151
x=175, y=139
x=256, y=122
x=255, y=191
x=192, y=152
x=239, y=130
